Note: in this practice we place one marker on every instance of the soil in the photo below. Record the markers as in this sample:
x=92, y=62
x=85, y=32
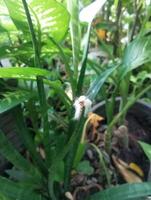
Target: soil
x=84, y=185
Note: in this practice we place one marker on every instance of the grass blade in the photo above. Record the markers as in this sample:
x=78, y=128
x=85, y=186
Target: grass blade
x=15, y=191
x=28, y=141
x=12, y=155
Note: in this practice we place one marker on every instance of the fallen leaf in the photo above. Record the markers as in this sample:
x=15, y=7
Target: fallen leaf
x=137, y=169
x=124, y=170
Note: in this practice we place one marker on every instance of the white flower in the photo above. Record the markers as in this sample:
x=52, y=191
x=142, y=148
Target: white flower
x=82, y=103
x=88, y=13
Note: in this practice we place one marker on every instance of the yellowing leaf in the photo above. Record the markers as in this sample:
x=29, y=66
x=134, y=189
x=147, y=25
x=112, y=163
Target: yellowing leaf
x=123, y=169
x=94, y=119
x=137, y=169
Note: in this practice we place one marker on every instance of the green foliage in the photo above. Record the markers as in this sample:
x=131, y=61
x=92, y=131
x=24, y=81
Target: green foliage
x=73, y=7
x=80, y=153
x=12, y=99
x=12, y=190
x=47, y=20
x=146, y=148
x=46, y=17
x=126, y=192
x=84, y=167
x=28, y=73
x=16, y=12
x=136, y=54
x=98, y=83
x=32, y=35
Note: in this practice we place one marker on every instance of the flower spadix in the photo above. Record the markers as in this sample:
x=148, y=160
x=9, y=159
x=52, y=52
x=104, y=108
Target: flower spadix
x=80, y=104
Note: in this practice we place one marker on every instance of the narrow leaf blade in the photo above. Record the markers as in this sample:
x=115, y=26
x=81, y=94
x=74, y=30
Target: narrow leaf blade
x=124, y=192
x=15, y=191
x=146, y=148
x=98, y=83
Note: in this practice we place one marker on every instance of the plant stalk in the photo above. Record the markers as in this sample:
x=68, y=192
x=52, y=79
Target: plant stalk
x=108, y=134
x=40, y=84
x=83, y=62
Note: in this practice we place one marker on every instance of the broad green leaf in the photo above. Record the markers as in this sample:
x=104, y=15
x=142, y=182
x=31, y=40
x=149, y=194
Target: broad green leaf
x=12, y=99
x=98, y=83
x=14, y=191
x=52, y=16
x=146, y=148
x=23, y=73
x=49, y=17
x=136, y=54
x=85, y=167
x=17, y=14
x=134, y=191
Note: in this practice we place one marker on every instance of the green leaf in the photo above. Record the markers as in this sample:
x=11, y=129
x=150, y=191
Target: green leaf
x=12, y=155
x=98, y=83
x=125, y=192
x=27, y=139
x=85, y=167
x=12, y=99
x=52, y=17
x=73, y=7
x=49, y=17
x=2, y=197
x=59, y=174
x=24, y=73
x=17, y=14
x=14, y=191
x=136, y=54
x=29, y=73
x=80, y=153
x=146, y=148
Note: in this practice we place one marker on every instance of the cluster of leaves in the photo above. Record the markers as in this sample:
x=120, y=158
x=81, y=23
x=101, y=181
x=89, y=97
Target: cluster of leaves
x=33, y=33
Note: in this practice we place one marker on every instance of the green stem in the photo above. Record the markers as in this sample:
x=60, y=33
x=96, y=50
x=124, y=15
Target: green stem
x=42, y=99
x=72, y=154
x=38, y=27
x=33, y=35
x=40, y=85
x=124, y=90
x=83, y=62
x=67, y=67
x=108, y=134
x=102, y=163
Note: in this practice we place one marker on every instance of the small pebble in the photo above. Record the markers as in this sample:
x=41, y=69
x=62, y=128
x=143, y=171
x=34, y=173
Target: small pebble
x=94, y=180
x=90, y=154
